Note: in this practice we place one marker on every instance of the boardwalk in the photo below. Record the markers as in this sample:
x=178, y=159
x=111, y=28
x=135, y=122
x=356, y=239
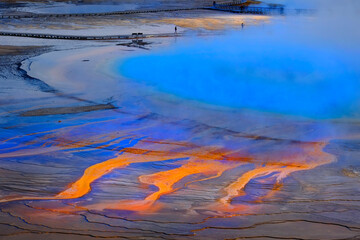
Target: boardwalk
x=217, y=7
x=233, y=7
x=62, y=15
x=250, y=10
x=80, y=37
x=239, y=7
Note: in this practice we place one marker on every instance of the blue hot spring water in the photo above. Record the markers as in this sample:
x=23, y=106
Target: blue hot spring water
x=284, y=76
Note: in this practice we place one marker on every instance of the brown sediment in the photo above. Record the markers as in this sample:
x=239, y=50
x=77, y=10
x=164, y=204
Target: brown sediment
x=66, y=110
x=353, y=172
x=15, y=50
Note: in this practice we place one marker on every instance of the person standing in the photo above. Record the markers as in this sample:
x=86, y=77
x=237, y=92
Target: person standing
x=175, y=29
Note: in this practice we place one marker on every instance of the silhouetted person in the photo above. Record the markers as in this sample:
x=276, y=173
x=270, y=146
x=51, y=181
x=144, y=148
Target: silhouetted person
x=242, y=25
x=175, y=29
x=281, y=10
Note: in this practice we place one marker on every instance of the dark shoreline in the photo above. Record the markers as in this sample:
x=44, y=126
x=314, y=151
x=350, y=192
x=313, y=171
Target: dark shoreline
x=11, y=65
x=66, y=110
x=11, y=70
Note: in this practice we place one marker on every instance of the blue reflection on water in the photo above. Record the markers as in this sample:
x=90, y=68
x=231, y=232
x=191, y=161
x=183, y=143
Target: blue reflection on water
x=266, y=74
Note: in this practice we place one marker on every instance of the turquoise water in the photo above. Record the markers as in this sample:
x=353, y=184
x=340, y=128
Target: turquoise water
x=276, y=74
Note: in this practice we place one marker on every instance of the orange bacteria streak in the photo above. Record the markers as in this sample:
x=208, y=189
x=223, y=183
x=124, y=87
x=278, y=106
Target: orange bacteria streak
x=81, y=186
x=313, y=157
x=202, y=161
x=135, y=155
x=165, y=182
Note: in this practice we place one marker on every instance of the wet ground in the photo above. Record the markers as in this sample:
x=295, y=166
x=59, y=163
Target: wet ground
x=227, y=135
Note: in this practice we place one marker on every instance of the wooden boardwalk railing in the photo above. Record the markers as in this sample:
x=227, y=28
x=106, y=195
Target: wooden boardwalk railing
x=79, y=37
x=234, y=6
x=232, y=3
x=241, y=7
x=55, y=15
